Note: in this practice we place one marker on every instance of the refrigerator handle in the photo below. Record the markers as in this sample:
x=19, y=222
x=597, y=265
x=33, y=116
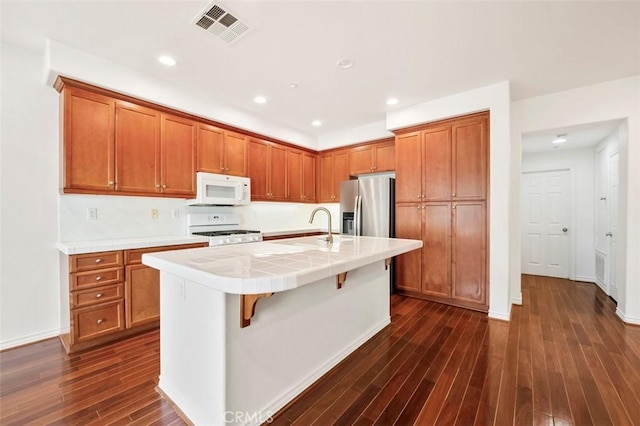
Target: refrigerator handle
x=357, y=216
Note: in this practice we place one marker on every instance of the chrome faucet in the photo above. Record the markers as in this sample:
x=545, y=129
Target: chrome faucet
x=329, y=238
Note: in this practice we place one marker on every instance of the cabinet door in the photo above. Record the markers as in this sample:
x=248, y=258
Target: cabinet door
x=326, y=178
x=142, y=289
x=257, y=163
x=309, y=177
x=408, y=266
x=385, y=160
x=469, y=252
x=437, y=249
x=408, y=167
x=340, y=172
x=235, y=154
x=178, y=150
x=210, y=149
x=361, y=160
x=294, y=175
x=470, y=159
x=278, y=172
x=88, y=141
x=437, y=163
x=137, y=148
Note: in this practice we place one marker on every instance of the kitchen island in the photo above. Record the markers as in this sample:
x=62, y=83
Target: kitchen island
x=225, y=359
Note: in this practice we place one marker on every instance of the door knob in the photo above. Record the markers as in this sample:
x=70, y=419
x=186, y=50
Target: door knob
x=564, y=229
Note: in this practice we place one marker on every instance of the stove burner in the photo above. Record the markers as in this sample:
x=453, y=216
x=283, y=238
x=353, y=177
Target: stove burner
x=225, y=233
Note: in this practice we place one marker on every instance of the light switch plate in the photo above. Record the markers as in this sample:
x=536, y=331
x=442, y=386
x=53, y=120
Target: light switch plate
x=92, y=213
x=154, y=213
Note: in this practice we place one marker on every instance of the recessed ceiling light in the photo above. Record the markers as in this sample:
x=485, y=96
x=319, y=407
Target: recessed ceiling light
x=392, y=101
x=293, y=85
x=345, y=64
x=316, y=123
x=166, y=60
x=561, y=138
x=260, y=100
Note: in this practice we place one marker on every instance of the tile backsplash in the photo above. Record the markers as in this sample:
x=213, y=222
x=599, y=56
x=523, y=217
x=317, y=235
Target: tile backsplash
x=118, y=217
x=131, y=217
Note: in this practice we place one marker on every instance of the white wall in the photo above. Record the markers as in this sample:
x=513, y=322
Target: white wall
x=495, y=98
x=29, y=299
x=368, y=132
x=613, y=100
x=582, y=165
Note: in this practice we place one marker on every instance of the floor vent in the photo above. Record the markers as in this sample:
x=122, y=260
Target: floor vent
x=217, y=20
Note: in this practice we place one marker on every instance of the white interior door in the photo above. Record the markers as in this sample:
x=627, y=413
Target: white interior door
x=546, y=210
x=602, y=221
x=613, y=222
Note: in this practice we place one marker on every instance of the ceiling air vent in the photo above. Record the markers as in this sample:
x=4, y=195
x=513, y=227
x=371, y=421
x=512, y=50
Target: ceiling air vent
x=217, y=20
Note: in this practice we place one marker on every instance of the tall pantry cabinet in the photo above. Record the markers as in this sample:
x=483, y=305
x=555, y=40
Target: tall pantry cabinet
x=441, y=198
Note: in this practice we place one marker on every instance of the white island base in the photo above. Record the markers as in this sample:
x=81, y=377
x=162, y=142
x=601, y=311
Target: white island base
x=218, y=373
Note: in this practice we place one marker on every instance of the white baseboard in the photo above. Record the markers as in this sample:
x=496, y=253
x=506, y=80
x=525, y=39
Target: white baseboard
x=627, y=319
x=500, y=315
x=585, y=279
x=285, y=398
x=31, y=338
x=517, y=300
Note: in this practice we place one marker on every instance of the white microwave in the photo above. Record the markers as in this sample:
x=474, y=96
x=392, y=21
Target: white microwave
x=221, y=190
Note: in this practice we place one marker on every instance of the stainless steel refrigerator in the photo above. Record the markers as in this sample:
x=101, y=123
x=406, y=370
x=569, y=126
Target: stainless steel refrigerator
x=367, y=207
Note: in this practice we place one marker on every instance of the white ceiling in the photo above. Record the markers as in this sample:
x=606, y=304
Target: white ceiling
x=583, y=136
x=416, y=51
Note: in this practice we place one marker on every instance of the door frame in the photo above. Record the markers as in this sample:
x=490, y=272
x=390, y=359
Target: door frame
x=572, y=212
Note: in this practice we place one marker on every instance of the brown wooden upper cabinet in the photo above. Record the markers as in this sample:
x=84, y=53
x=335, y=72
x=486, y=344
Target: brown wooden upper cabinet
x=333, y=169
x=221, y=151
x=301, y=176
x=117, y=146
x=87, y=135
x=267, y=169
x=445, y=161
x=177, y=156
x=378, y=157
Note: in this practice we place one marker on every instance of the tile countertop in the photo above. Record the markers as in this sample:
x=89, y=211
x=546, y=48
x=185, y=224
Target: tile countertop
x=273, y=266
x=95, y=246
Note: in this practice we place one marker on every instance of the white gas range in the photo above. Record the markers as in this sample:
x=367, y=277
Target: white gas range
x=221, y=228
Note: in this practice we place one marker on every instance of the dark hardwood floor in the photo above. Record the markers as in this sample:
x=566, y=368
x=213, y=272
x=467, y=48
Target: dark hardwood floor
x=564, y=358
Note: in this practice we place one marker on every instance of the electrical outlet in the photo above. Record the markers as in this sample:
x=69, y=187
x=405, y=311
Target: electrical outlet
x=92, y=213
x=175, y=213
x=154, y=213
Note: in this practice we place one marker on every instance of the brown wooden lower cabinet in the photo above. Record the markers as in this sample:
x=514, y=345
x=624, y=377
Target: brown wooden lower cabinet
x=451, y=267
x=143, y=295
x=111, y=295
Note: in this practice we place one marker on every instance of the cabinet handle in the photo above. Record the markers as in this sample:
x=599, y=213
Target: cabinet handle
x=111, y=182
x=164, y=186
x=98, y=296
x=603, y=198
x=419, y=196
x=158, y=186
x=423, y=196
x=453, y=195
x=99, y=277
x=454, y=207
x=98, y=260
x=99, y=321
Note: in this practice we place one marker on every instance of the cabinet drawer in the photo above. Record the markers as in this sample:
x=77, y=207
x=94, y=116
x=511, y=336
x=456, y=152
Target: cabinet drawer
x=96, y=321
x=93, y=261
x=82, y=280
x=96, y=295
x=134, y=256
